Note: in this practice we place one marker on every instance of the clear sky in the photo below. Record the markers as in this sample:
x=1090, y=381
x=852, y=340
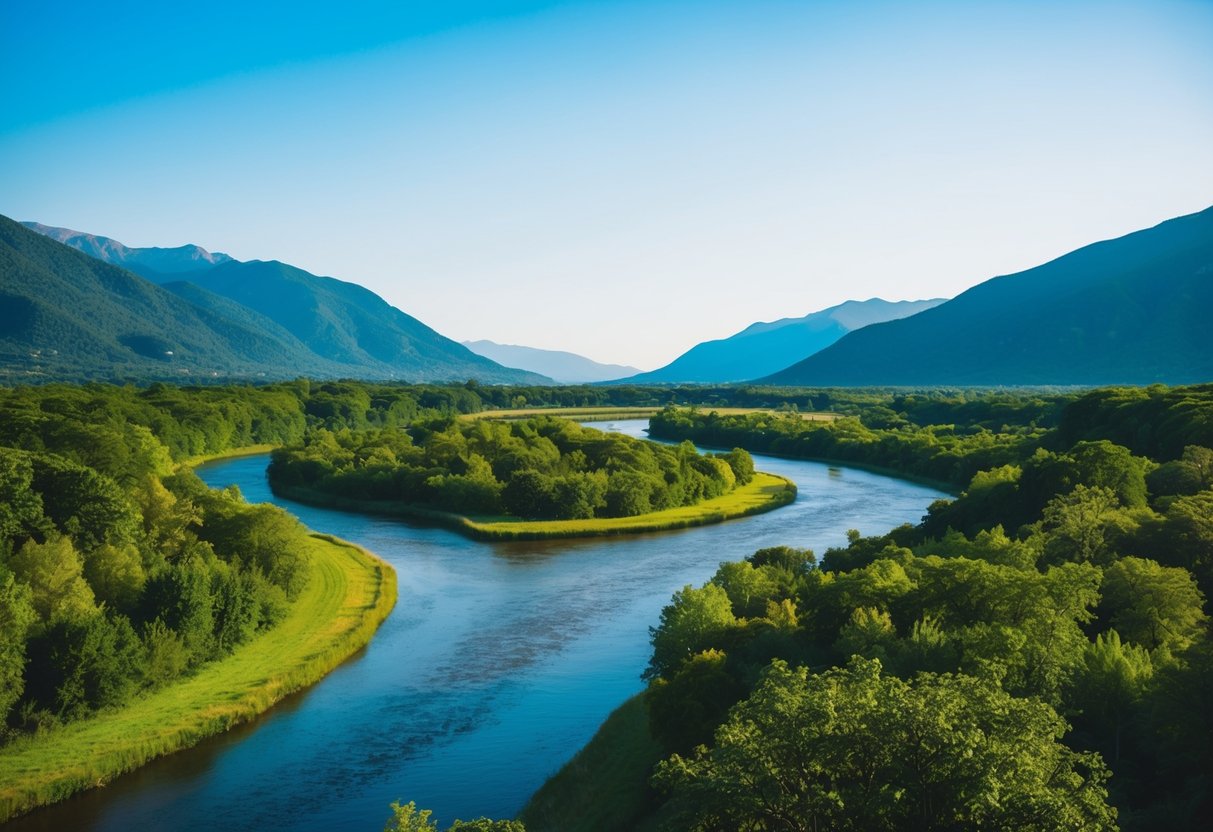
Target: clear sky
x=621, y=180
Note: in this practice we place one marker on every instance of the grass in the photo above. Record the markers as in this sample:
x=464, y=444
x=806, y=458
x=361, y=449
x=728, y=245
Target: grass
x=605, y=787
x=348, y=596
x=602, y=414
x=231, y=453
x=764, y=493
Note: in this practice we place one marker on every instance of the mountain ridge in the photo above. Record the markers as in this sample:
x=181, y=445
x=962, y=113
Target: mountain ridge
x=295, y=322
x=1127, y=310
x=768, y=346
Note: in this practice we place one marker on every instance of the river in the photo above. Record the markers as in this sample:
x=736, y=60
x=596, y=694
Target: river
x=498, y=663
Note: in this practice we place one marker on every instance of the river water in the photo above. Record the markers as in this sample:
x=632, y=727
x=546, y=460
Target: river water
x=498, y=663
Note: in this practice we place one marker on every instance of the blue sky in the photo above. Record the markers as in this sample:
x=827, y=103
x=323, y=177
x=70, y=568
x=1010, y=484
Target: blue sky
x=617, y=179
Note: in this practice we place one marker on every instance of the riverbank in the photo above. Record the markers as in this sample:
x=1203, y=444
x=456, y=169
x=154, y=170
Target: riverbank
x=605, y=787
x=349, y=594
x=766, y=492
x=606, y=414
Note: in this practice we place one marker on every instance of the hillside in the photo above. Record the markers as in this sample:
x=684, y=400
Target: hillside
x=350, y=324
x=1133, y=310
x=67, y=316
x=560, y=366
x=764, y=348
x=317, y=326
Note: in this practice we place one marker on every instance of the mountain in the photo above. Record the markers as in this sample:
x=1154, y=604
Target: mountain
x=560, y=366
x=764, y=348
x=1133, y=310
x=151, y=263
x=341, y=328
x=65, y=315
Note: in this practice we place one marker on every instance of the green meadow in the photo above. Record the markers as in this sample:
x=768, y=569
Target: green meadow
x=349, y=593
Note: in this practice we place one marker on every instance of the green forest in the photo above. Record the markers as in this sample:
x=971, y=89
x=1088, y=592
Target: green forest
x=542, y=468
x=1035, y=654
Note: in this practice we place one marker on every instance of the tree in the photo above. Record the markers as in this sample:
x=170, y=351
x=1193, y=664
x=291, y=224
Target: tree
x=1076, y=525
x=1109, y=684
x=55, y=577
x=1152, y=605
x=16, y=616
x=742, y=464
x=115, y=574
x=685, y=709
x=852, y=749
x=694, y=621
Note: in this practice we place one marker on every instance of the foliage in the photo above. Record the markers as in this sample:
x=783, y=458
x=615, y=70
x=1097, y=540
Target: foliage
x=852, y=748
x=542, y=468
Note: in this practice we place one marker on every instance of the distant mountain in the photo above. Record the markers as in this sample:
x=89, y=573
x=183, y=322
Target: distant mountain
x=339, y=321
x=65, y=315
x=764, y=348
x=1134, y=310
x=261, y=319
x=152, y=263
x=564, y=367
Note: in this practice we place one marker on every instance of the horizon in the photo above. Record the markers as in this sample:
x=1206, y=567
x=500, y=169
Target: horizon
x=558, y=162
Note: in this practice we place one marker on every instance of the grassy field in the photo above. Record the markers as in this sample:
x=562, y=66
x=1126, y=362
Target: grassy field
x=349, y=594
x=605, y=787
x=764, y=493
x=603, y=414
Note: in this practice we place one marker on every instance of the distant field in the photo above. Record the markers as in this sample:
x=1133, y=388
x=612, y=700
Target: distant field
x=349, y=594
x=602, y=414
x=764, y=493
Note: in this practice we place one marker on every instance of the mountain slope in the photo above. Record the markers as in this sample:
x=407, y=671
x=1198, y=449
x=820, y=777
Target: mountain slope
x=350, y=324
x=65, y=315
x=764, y=348
x=340, y=328
x=1133, y=310
x=564, y=367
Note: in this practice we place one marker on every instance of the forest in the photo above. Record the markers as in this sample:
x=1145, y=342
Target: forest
x=1035, y=654
x=542, y=468
x=119, y=571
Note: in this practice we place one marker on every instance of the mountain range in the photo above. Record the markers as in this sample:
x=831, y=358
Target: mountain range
x=67, y=312
x=560, y=366
x=74, y=306
x=1134, y=310
x=764, y=348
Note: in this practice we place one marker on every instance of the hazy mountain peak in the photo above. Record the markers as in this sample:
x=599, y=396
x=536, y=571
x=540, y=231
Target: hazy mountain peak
x=561, y=366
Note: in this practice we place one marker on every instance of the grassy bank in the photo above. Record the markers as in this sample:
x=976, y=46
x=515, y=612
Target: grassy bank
x=603, y=414
x=605, y=787
x=349, y=594
x=765, y=493
x=230, y=453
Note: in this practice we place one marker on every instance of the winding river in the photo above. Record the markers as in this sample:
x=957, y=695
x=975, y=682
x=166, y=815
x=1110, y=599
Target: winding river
x=498, y=663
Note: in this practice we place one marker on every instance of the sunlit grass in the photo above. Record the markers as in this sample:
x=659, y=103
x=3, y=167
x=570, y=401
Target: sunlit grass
x=349, y=594
x=764, y=493
x=606, y=413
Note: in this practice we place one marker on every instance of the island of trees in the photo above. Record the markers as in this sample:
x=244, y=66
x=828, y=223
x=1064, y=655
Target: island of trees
x=536, y=469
